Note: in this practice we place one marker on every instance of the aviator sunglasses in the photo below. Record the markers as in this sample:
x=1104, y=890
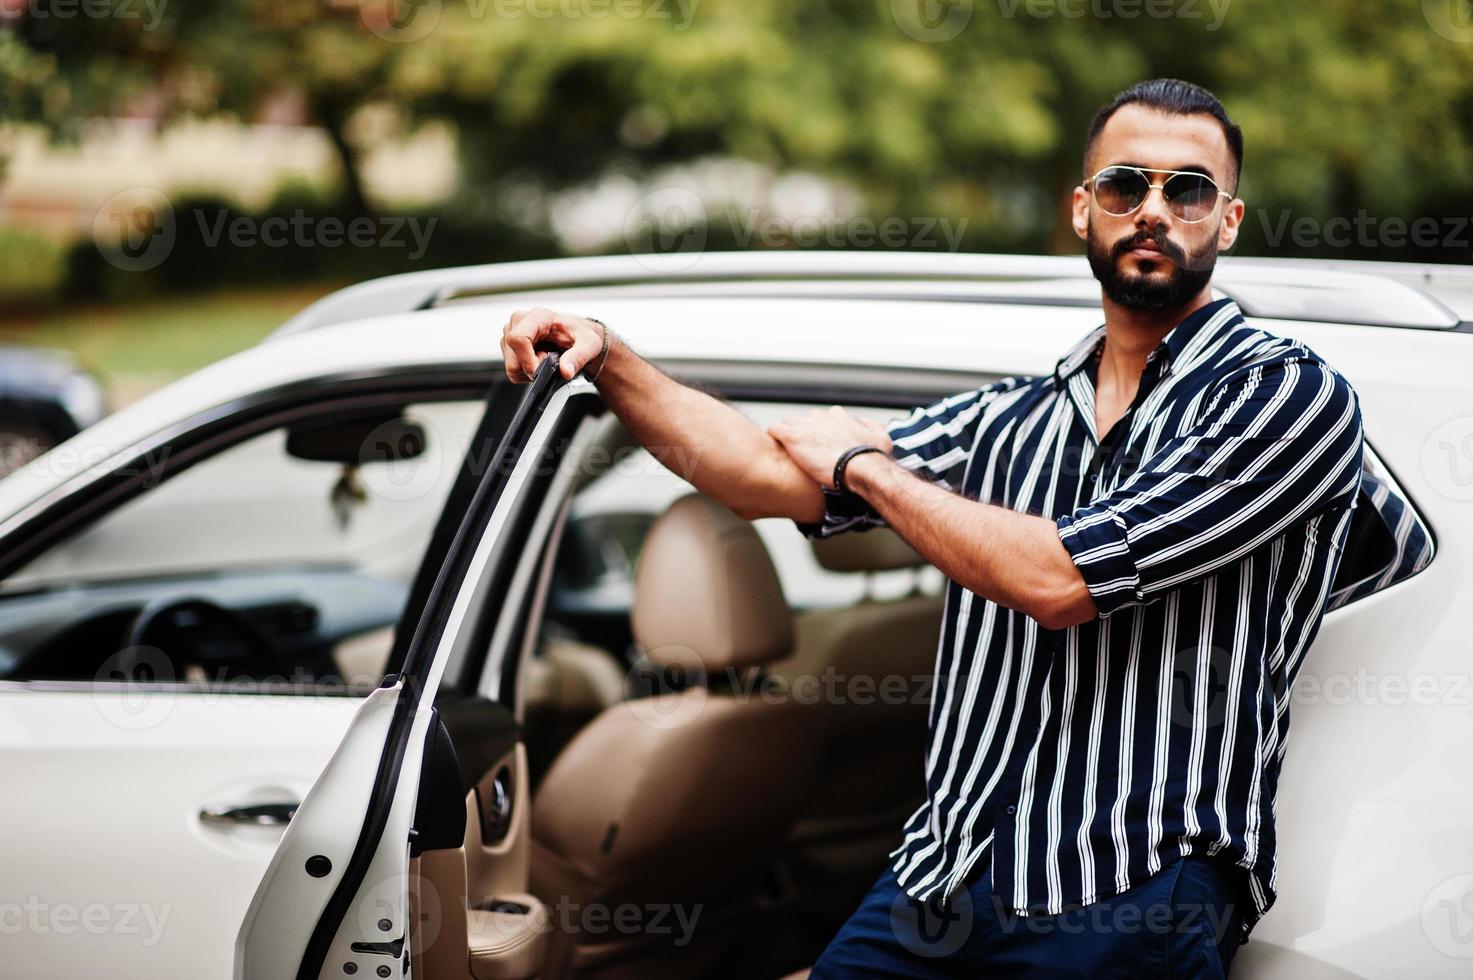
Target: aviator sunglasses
x=1120, y=191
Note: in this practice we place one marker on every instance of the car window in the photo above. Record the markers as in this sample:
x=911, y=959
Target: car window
x=593, y=575
x=1388, y=540
x=311, y=556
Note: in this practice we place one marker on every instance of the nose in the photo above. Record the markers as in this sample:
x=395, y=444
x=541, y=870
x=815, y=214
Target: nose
x=1153, y=211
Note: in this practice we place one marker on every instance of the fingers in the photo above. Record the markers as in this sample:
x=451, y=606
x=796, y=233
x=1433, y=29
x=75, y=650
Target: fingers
x=524, y=331
x=783, y=433
x=879, y=434
x=520, y=353
x=585, y=347
x=513, y=369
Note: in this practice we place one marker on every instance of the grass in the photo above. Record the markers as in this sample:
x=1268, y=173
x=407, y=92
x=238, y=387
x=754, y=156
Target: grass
x=139, y=346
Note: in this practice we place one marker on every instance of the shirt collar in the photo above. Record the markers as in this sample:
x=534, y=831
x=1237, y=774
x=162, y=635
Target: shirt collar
x=1171, y=348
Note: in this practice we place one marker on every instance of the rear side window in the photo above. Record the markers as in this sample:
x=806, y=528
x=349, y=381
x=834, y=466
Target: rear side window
x=1388, y=539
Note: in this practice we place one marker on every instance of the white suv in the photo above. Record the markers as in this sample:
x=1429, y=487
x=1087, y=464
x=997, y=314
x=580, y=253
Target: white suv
x=287, y=643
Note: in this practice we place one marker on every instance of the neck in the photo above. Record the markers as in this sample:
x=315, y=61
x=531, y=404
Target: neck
x=1131, y=334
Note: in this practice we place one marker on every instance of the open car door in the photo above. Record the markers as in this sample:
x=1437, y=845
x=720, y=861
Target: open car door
x=336, y=898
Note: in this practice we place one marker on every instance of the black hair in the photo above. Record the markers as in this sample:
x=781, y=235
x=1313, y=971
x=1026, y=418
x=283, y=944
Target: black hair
x=1174, y=97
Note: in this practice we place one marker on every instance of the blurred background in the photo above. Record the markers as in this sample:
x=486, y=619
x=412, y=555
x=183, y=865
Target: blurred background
x=177, y=178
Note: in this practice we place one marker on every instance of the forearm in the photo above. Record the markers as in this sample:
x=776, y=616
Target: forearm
x=704, y=440
x=1016, y=560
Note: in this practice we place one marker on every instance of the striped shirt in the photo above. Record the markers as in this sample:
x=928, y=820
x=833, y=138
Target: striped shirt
x=1207, y=525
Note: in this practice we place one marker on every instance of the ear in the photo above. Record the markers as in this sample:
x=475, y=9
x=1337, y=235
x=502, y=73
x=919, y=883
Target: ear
x=1080, y=219
x=1232, y=222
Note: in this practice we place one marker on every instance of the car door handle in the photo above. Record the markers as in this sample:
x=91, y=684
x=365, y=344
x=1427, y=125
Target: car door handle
x=255, y=815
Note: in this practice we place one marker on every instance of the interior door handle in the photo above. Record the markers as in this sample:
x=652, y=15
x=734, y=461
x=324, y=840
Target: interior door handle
x=255, y=815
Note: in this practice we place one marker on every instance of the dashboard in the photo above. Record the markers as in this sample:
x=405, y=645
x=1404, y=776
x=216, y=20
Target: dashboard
x=293, y=620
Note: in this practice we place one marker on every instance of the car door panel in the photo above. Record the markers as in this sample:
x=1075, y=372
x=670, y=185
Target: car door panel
x=109, y=860
x=369, y=903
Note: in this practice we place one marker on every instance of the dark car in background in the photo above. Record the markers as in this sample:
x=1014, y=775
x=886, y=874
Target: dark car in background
x=46, y=397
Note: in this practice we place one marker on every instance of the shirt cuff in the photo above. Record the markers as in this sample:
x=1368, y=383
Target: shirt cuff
x=1097, y=541
x=841, y=512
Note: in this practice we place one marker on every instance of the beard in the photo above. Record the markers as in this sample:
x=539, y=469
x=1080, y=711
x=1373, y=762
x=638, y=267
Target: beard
x=1190, y=273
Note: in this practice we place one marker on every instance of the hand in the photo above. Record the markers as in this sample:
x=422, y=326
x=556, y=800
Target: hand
x=579, y=338
x=816, y=440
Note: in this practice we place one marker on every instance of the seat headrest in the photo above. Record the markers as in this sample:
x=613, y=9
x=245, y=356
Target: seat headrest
x=706, y=596
x=875, y=550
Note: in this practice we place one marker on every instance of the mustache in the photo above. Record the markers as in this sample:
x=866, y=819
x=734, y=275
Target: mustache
x=1168, y=248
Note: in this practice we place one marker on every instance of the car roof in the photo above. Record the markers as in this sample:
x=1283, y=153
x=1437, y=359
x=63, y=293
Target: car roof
x=1373, y=294
x=886, y=333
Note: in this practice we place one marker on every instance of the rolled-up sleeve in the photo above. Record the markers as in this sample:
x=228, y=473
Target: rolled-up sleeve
x=1278, y=442
x=934, y=441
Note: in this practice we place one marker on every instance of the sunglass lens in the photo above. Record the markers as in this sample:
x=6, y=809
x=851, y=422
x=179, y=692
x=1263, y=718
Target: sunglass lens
x=1191, y=197
x=1119, y=190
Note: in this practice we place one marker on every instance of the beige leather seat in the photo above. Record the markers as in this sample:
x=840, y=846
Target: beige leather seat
x=564, y=687
x=682, y=798
x=879, y=657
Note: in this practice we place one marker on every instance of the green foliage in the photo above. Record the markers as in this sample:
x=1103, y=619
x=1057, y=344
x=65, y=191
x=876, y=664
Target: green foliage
x=32, y=267
x=1347, y=104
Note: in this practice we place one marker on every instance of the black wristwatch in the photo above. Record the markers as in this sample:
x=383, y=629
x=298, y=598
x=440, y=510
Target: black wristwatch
x=843, y=464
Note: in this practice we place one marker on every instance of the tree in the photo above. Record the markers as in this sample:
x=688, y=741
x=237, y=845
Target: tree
x=977, y=110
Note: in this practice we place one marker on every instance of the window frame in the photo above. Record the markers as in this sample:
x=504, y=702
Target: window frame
x=1348, y=594
x=89, y=496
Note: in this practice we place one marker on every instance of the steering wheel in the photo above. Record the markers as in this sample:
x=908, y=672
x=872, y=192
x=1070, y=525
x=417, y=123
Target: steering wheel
x=190, y=630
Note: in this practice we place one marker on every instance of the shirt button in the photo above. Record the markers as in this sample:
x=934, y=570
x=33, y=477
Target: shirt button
x=1012, y=809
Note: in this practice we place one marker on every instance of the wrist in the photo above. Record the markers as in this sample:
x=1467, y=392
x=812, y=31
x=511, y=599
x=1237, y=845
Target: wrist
x=867, y=473
x=847, y=463
x=594, y=370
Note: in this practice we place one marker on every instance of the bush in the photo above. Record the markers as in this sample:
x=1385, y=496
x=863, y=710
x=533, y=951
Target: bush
x=32, y=268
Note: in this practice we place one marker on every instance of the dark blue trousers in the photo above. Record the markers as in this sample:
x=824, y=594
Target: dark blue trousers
x=1183, y=922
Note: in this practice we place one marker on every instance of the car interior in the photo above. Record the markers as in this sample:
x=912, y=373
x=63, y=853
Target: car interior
x=717, y=736
x=733, y=809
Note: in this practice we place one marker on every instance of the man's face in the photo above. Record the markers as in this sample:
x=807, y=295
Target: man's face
x=1151, y=259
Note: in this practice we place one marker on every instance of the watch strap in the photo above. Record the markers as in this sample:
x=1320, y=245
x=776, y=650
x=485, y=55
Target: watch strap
x=843, y=464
